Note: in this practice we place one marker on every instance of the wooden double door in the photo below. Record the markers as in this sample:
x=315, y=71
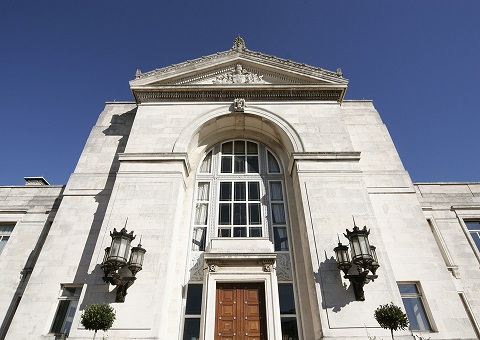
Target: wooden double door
x=240, y=312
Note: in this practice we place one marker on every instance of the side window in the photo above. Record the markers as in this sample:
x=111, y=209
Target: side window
x=67, y=305
x=288, y=312
x=5, y=232
x=413, y=303
x=193, y=310
x=474, y=230
x=201, y=216
x=279, y=222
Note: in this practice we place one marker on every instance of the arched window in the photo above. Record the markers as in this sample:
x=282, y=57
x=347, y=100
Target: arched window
x=240, y=193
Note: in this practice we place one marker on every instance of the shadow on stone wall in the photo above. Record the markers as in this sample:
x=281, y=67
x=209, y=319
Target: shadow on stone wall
x=335, y=293
x=28, y=267
x=120, y=125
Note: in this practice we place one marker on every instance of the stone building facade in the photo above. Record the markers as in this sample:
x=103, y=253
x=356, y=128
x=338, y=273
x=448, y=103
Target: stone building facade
x=239, y=172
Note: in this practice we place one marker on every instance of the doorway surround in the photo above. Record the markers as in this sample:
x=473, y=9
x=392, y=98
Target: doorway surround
x=241, y=260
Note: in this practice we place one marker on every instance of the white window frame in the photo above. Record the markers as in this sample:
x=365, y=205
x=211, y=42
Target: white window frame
x=464, y=214
x=426, y=309
x=192, y=316
x=66, y=298
x=6, y=234
x=465, y=221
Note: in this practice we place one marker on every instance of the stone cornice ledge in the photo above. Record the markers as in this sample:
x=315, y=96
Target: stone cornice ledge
x=156, y=157
x=12, y=210
x=323, y=157
x=229, y=93
x=472, y=206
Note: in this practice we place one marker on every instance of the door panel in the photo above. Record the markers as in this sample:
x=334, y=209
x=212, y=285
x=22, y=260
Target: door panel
x=226, y=313
x=240, y=311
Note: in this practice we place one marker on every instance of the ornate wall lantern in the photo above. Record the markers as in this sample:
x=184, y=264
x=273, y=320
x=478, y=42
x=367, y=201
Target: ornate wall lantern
x=363, y=256
x=117, y=270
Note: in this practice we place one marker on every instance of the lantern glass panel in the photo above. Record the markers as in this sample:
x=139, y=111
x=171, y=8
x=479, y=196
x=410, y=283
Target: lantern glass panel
x=364, y=245
x=339, y=256
x=355, y=246
x=119, y=249
x=374, y=253
x=136, y=257
x=342, y=255
x=124, y=248
x=114, y=248
x=133, y=257
x=140, y=257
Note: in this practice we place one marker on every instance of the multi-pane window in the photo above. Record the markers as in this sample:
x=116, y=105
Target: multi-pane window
x=5, y=232
x=239, y=193
x=474, y=230
x=239, y=209
x=288, y=316
x=193, y=310
x=239, y=157
x=66, y=309
x=412, y=301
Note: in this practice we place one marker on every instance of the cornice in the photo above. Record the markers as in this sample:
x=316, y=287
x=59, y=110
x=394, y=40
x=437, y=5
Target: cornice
x=472, y=206
x=323, y=157
x=229, y=93
x=156, y=157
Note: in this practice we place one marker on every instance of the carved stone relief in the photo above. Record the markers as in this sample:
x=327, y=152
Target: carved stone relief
x=196, y=266
x=239, y=105
x=268, y=266
x=284, y=267
x=239, y=76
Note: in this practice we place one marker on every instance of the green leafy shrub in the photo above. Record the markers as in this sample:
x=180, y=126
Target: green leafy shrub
x=391, y=317
x=95, y=317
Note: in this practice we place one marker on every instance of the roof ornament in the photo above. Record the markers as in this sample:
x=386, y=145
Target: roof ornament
x=339, y=72
x=138, y=73
x=238, y=44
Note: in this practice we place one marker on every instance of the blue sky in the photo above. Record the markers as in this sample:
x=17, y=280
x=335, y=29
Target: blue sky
x=60, y=61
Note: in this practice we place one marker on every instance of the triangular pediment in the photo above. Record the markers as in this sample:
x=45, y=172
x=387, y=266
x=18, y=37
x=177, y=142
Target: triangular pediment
x=239, y=68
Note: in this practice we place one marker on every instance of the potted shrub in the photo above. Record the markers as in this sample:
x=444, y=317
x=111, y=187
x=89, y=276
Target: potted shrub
x=96, y=316
x=391, y=317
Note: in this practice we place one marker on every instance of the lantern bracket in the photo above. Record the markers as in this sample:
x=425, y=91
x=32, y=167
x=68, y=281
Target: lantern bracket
x=363, y=257
x=117, y=271
x=122, y=283
x=358, y=281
